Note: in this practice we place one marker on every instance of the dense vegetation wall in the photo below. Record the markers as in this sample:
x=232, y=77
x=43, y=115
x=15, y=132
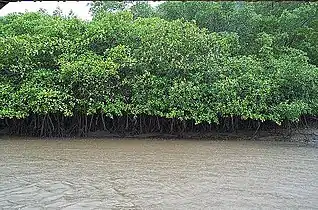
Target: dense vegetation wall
x=61, y=75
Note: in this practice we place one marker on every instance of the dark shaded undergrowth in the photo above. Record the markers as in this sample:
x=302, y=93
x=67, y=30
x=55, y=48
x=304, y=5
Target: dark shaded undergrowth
x=82, y=126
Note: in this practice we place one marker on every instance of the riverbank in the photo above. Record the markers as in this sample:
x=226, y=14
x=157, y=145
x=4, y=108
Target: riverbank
x=303, y=135
x=299, y=135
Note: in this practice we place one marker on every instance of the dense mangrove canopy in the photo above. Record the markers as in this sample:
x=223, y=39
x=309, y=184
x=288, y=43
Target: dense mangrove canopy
x=145, y=69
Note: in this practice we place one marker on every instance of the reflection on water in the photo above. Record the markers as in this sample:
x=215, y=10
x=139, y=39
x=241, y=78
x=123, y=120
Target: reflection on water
x=156, y=174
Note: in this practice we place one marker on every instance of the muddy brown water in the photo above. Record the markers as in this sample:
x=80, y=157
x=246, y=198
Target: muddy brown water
x=157, y=174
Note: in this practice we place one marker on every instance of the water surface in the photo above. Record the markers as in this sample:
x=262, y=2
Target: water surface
x=156, y=174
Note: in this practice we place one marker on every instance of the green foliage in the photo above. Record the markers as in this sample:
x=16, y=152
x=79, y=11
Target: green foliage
x=292, y=24
x=233, y=60
x=142, y=9
x=137, y=8
x=107, y=6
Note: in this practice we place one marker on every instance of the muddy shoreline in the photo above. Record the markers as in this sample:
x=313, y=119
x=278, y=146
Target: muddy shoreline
x=308, y=135
x=302, y=135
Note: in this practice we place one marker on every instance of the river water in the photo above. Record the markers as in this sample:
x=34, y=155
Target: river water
x=157, y=174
